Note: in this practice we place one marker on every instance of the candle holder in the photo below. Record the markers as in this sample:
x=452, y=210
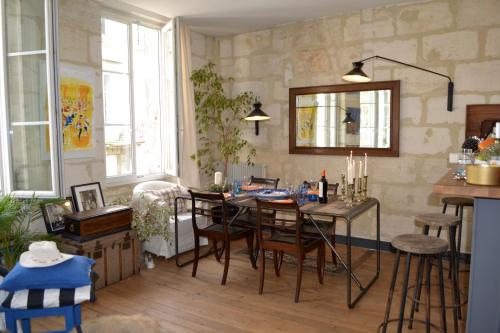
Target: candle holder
x=364, y=192
x=342, y=186
x=359, y=192
x=349, y=195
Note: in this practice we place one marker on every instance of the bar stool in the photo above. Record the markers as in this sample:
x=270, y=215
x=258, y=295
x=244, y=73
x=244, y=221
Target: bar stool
x=437, y=220
x=428, y=248
x=459, y=203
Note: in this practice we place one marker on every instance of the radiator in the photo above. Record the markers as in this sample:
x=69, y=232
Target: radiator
x=238, y=171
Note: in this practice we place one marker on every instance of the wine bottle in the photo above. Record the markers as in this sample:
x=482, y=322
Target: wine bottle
x=323, y=188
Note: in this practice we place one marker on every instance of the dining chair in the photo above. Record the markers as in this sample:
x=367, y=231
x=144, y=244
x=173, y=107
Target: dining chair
x=285, y=237
x=215, y=232
x=272, y=182
x=327, y=227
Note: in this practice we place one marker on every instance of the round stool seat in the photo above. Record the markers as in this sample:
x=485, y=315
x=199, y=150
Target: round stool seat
x=437, y=219
x=420, y=244
x=458, y=201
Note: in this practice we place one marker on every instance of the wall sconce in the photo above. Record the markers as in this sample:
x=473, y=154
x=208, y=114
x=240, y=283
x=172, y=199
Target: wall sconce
x=357, y=75
x=257, y=115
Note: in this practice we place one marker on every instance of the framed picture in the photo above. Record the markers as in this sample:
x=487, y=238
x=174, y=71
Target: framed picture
x=53, y=214
x=87, y=196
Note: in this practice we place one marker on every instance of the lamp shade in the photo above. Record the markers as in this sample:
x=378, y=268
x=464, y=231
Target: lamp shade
x=356, y=74
x=257, y=114
x=348, y=118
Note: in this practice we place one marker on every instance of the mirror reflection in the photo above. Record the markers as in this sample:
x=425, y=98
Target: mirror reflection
x=345, y=119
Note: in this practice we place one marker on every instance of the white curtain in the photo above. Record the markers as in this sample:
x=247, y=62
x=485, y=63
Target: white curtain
x=189, y=173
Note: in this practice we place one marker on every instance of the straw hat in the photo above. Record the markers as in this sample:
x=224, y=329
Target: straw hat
x=43, y=254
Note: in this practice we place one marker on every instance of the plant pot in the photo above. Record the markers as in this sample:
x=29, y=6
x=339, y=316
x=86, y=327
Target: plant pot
x=217, y=213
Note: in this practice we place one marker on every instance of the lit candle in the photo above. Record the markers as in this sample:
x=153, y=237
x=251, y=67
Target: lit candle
x=350, y=158
x=348, y=169
x=360, y=169
x=218, y=178
x=366, y=164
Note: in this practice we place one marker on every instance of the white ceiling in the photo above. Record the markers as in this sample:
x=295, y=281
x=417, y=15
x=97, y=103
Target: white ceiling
x=226, y=17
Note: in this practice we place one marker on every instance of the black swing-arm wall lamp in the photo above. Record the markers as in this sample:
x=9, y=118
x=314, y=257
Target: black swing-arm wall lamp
x=257, y=115
x=357, y=75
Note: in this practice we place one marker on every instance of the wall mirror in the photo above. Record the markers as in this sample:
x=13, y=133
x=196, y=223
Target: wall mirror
x=333, y=120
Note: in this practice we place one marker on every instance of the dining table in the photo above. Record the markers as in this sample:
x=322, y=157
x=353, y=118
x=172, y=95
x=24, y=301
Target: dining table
x=314, y=212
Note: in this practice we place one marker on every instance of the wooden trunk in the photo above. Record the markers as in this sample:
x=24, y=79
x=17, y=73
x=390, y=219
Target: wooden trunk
x=98, y=221
x=117, y=255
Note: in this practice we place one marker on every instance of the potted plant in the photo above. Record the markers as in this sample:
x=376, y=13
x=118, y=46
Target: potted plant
x=16, y=217
x=218, y=120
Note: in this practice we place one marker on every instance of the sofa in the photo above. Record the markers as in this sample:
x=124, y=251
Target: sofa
x=150, y=191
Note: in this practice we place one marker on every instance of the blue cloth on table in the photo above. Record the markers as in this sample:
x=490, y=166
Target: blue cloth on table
x=72, y=273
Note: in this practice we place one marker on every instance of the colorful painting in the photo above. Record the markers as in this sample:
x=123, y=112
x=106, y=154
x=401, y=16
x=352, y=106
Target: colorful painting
x=77, y=111
x=306, y=125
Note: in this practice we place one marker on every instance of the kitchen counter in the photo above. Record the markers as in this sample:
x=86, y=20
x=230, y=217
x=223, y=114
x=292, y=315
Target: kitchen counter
x=447, y=186
x=484, y=281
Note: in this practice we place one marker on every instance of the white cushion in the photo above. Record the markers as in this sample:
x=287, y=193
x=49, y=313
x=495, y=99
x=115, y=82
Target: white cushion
x=161, y=247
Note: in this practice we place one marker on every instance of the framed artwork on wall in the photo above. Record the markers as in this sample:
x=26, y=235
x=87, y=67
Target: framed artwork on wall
x=87, y=196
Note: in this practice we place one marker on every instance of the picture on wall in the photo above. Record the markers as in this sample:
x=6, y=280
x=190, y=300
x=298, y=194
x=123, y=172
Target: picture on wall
x=87, y=196
x=306, y=125
x=77, y=111
x=53, y=214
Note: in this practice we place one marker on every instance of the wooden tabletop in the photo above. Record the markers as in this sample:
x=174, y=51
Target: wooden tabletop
x=447, y=186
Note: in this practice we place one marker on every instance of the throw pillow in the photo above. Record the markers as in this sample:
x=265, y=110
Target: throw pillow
x=169, y=195
x=72, y=273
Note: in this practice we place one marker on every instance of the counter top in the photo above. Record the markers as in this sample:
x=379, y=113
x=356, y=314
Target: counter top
x=452, y=187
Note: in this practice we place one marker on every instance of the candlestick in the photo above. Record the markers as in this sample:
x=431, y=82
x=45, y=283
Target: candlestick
x=349, y=195
x=342, y=186
x=360, y=169
x=359, y=191
x=365, y=188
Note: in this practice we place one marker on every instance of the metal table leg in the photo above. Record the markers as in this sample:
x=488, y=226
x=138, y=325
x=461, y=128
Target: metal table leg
x=348, y=265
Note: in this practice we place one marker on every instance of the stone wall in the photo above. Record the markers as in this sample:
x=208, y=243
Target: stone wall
x=80, y=45
x=459, y=38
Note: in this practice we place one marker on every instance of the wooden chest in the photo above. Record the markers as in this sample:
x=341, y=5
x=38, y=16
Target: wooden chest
x=98, y=221
x=117, y=255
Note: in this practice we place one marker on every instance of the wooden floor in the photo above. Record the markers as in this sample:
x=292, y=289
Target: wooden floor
x=181, y=303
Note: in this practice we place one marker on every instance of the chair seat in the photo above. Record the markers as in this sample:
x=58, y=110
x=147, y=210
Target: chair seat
x=437, y=220
x=420, y=244
x=458, y=201
x=326, y=227
x=219, y=228
x=290, y=239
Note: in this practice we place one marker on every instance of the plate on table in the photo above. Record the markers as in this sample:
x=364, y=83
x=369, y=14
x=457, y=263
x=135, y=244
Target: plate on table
x=278, y=194
x=249, y=188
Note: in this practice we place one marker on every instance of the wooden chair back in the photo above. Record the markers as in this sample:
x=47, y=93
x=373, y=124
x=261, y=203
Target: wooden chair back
x=272, y=182
x=203, y=210
x=291, y=226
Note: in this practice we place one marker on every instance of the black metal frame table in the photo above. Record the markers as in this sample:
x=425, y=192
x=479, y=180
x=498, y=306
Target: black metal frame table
x=336, y=209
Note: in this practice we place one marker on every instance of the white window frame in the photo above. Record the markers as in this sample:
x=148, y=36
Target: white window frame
x=133, y=177
x=54, y=121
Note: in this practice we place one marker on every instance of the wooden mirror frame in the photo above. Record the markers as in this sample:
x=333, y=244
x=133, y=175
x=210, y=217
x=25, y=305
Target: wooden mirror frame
x=392, y=151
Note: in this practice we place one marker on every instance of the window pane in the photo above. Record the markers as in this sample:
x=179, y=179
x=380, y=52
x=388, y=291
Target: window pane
x=147, y=100
x=118, y=150
x=116, y=99
x=169, y=103
x=27, y=86
x=25, y=25
x=114, y=46
x=31, y=158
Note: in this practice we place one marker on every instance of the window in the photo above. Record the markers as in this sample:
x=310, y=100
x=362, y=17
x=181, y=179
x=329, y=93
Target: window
x=29, y=139
x=139, y=106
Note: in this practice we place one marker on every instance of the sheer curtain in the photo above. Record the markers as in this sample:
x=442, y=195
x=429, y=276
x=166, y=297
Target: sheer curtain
x=189, y=173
